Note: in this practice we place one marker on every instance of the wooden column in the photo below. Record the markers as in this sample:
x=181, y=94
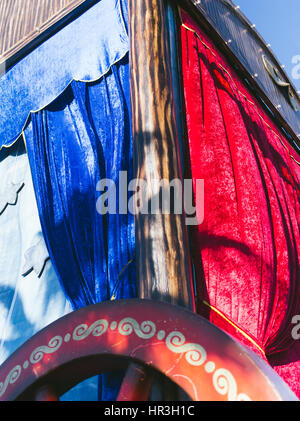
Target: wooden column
x=162, y=251
x=137, y=384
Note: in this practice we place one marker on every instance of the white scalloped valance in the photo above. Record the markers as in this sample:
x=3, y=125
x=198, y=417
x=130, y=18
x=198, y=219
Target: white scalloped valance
x=83, y=50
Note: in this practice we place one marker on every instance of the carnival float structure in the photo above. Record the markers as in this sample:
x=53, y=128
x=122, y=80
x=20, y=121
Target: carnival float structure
x=105, y=305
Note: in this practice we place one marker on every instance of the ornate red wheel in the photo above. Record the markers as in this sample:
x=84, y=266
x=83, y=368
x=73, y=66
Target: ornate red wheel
x=204, y=361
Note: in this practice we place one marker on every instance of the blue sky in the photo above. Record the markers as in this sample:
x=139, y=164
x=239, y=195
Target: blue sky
x=278, y=21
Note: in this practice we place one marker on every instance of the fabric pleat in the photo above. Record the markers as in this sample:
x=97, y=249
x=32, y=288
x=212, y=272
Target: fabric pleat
x=83, y=137
x=246, y=251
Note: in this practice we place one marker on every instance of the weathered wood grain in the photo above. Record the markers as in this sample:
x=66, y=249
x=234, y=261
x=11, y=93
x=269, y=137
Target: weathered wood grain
x=22, y=21
x=162, y=248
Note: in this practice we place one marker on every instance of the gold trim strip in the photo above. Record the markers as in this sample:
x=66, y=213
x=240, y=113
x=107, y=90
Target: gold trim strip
x=113, y=297
x=234, y=325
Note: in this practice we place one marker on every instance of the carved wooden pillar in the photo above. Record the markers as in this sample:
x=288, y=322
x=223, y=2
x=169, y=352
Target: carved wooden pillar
x=162, y=252
x=137, y=384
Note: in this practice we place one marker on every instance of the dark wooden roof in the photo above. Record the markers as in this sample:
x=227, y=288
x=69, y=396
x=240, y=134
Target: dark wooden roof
x=25, y=21
x=239, y=39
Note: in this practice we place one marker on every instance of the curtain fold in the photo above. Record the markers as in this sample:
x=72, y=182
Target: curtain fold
x=246, y=252
x=83, y=137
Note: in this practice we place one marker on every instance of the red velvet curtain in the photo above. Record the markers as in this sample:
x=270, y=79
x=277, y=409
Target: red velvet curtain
x=246, y=251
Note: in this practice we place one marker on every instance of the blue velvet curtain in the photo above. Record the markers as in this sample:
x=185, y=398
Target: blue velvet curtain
x=82, y=50
x=80, y=138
